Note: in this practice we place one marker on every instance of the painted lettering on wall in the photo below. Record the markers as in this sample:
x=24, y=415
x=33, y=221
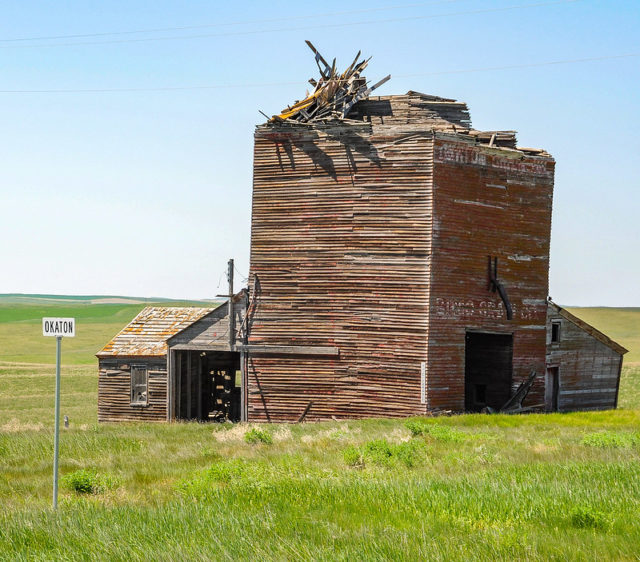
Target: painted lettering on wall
x=479, y=309
x=471, y=155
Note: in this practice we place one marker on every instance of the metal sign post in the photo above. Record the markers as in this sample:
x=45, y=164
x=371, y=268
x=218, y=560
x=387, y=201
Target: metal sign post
x=59, y=328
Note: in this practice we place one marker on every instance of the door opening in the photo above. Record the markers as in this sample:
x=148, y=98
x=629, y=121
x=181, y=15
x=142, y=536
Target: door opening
x=207, y=385
x=552, y=389
x=488, y=370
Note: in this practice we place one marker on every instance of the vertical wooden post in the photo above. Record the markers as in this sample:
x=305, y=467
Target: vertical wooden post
x=170, y=385
x=199, y=386
x=179, y=384
x=232, y=328
x=189, y=405
x=243, y=387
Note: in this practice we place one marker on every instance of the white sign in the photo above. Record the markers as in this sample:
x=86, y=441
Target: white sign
x=59, y=327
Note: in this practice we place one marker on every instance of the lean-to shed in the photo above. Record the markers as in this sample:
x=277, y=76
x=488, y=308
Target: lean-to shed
x=583, y=364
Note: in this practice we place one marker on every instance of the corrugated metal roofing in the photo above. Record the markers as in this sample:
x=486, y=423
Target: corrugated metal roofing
x=147, y=334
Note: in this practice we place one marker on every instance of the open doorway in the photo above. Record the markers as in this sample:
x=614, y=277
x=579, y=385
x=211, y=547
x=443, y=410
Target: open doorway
x=488, y=370
x=552, y=389
x=207, y=385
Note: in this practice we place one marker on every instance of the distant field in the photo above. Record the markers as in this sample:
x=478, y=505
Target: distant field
x=21, y=337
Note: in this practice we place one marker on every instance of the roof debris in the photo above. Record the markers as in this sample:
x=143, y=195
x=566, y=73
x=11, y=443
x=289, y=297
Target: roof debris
x=334, y=93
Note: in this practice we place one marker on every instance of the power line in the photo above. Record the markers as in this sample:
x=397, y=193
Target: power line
x=227, y=24
x=517, y=66
x=285, y=29
x=272, y=84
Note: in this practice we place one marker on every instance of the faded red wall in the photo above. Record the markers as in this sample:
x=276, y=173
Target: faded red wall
x=487, y=202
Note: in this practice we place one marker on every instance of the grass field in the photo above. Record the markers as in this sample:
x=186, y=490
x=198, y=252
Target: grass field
x=21, y=337
x=536, y=487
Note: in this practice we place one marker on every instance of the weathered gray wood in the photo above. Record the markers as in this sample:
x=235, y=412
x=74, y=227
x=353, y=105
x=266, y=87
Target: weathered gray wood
x=243, y=387
x=178, y=385
x=199, y=386
x=189, y=380
x=170, y=386
x=290, y=349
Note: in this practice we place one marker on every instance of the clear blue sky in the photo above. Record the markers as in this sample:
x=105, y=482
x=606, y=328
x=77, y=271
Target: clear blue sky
x=148, y=192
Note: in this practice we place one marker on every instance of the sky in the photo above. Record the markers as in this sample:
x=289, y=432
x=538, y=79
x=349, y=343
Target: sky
x=127, y=127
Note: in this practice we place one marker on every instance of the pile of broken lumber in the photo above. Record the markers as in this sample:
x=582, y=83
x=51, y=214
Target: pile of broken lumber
x=334, y=93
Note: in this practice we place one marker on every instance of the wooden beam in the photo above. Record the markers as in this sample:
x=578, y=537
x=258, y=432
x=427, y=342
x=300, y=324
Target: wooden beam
x=199, y=393
x=178, y=385
x=170, y=385
x=221, y=347
x=243, y=387
x=290, y=349
x=189, y=405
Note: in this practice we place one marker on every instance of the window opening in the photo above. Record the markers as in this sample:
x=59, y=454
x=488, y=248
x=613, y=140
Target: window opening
x=139, y=384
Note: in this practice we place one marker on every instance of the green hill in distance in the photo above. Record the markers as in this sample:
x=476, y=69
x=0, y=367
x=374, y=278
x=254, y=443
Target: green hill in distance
x=98, y=319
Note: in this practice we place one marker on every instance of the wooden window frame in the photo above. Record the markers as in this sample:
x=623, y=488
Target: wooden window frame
x=132, y=401
x=557, y=324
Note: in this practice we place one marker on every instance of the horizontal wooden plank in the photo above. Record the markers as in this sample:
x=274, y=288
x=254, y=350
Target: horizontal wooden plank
x=289, y=349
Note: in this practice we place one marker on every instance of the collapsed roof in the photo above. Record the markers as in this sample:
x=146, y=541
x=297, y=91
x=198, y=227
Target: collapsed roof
x=334, y=93
x=346, y=97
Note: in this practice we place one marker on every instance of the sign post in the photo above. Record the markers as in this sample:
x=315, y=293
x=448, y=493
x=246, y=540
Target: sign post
x=58, y=328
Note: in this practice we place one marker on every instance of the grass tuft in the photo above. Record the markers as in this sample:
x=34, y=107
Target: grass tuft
x=257, y=435
x=88, y=482
x=586, y=517
x=436, y=431
x=380, y=452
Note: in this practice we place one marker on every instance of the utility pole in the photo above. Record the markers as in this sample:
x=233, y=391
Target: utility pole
x=232, y=324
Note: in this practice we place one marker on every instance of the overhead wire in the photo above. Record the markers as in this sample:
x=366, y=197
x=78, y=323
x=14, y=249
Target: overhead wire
x=273, y=84
x=302, y=28
x=228, y=24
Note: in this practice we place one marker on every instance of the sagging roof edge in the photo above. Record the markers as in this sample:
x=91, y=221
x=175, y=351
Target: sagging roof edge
x=603, y=338
x=102, y=354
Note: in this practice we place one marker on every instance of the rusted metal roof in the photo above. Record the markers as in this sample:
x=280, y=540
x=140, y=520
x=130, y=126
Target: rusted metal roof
x=147, y=334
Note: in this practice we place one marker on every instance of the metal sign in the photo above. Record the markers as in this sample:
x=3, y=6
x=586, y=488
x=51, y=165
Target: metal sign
x=60, y=328
x=65, y=327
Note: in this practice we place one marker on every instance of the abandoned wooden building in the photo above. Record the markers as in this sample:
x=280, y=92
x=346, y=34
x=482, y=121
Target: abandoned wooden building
x=583, y=364
x=399, y=265
x=414, y=245
x=173, y=363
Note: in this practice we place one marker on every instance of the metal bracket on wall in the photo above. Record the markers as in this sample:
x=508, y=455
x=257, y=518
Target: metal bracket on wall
x=496, y=285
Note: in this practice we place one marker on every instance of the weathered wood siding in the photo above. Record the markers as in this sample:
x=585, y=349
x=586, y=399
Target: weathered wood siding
x=211, y=331
x=114, y=390
x=588, y=370
x=340, y=247
x=487, y=202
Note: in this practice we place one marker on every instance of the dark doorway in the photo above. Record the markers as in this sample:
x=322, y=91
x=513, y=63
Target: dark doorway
x=207, y=385
x=552, y=388
x=488, y=370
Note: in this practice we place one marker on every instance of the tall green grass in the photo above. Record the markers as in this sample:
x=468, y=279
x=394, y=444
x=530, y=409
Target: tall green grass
x=507, y=487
